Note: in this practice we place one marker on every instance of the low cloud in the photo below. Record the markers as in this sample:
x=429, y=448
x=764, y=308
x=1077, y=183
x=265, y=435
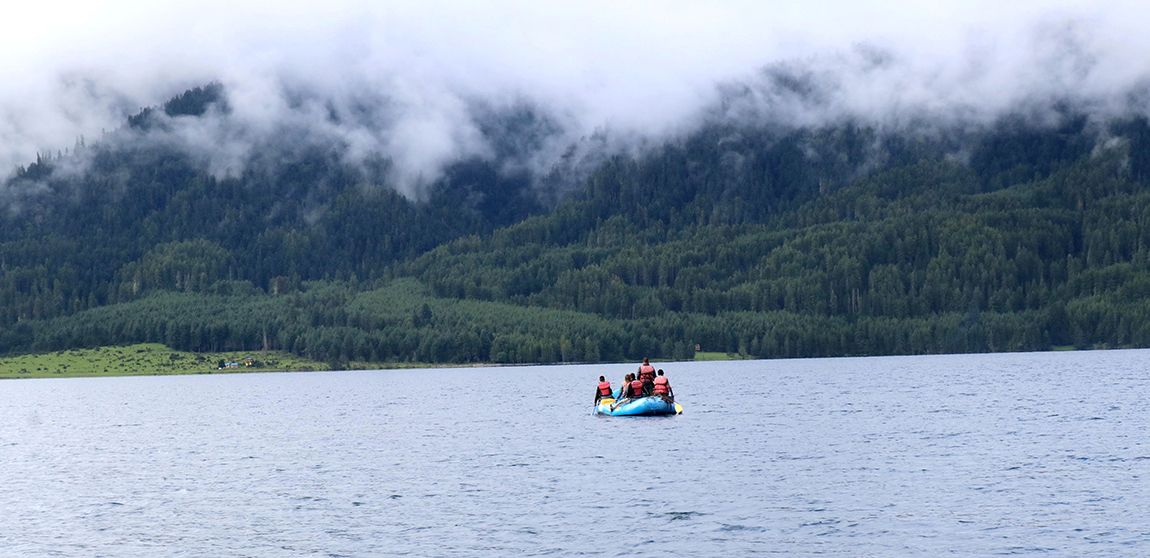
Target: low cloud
x=419, y=84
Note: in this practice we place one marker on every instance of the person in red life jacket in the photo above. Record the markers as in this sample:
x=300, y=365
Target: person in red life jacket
x=637, y=390
x=603, y=391
x=647, y=376
x=632, y=389
x=625, y=391
x=663, y=388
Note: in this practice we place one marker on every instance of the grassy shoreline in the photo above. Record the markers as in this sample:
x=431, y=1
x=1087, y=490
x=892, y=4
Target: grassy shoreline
x=721, y=356
x=154, y=359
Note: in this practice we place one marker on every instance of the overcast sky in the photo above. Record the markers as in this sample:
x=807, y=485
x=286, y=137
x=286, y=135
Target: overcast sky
x=72, y=68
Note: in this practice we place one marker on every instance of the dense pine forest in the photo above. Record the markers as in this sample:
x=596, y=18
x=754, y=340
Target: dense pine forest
x=771, y=241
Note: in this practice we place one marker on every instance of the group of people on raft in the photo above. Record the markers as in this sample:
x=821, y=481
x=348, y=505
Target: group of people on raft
x=644, y=383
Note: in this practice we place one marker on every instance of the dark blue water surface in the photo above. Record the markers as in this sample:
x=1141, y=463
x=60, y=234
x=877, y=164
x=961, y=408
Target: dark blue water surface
x=1033, y=454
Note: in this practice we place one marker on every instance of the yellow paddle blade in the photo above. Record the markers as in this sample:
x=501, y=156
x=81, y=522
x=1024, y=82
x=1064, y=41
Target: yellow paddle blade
x=678, y=409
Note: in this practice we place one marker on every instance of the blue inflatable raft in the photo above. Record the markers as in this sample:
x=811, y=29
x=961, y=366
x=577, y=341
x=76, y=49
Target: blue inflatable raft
x=641, y=406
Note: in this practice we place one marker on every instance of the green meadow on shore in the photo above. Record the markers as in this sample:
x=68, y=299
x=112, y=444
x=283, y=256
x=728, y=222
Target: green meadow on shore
x=703, y=355
x=153, y=359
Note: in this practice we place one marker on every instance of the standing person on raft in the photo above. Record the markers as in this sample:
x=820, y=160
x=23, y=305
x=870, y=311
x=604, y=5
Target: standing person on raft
x=647, y=376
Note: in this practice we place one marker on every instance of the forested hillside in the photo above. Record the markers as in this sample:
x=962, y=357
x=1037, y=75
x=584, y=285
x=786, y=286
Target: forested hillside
x=764, y=240
x=138, y=211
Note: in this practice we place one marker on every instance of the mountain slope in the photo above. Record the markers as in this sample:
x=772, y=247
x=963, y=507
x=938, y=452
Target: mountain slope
x=766, y=241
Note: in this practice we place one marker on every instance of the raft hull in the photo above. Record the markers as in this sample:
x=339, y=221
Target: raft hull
x=643, y=406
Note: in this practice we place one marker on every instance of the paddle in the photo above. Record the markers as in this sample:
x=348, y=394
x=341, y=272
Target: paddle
x=603, y=401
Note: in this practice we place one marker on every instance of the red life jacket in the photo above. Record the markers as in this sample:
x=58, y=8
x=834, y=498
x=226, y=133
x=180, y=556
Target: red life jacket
x=646, y=373
x=636, y=388
x=605, y=389
x=661, y=386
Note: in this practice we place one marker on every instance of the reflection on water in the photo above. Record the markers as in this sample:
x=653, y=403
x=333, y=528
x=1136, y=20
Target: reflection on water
x=903, y=456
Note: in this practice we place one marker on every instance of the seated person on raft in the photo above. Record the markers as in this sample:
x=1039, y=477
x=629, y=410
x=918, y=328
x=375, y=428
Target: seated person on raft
x=632, y=389
x=635, y=388
x=625, y=391
x=662, y=387
x=603, y=390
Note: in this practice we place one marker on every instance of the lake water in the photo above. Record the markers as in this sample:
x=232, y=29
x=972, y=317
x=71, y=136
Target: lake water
x=1033, y=454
